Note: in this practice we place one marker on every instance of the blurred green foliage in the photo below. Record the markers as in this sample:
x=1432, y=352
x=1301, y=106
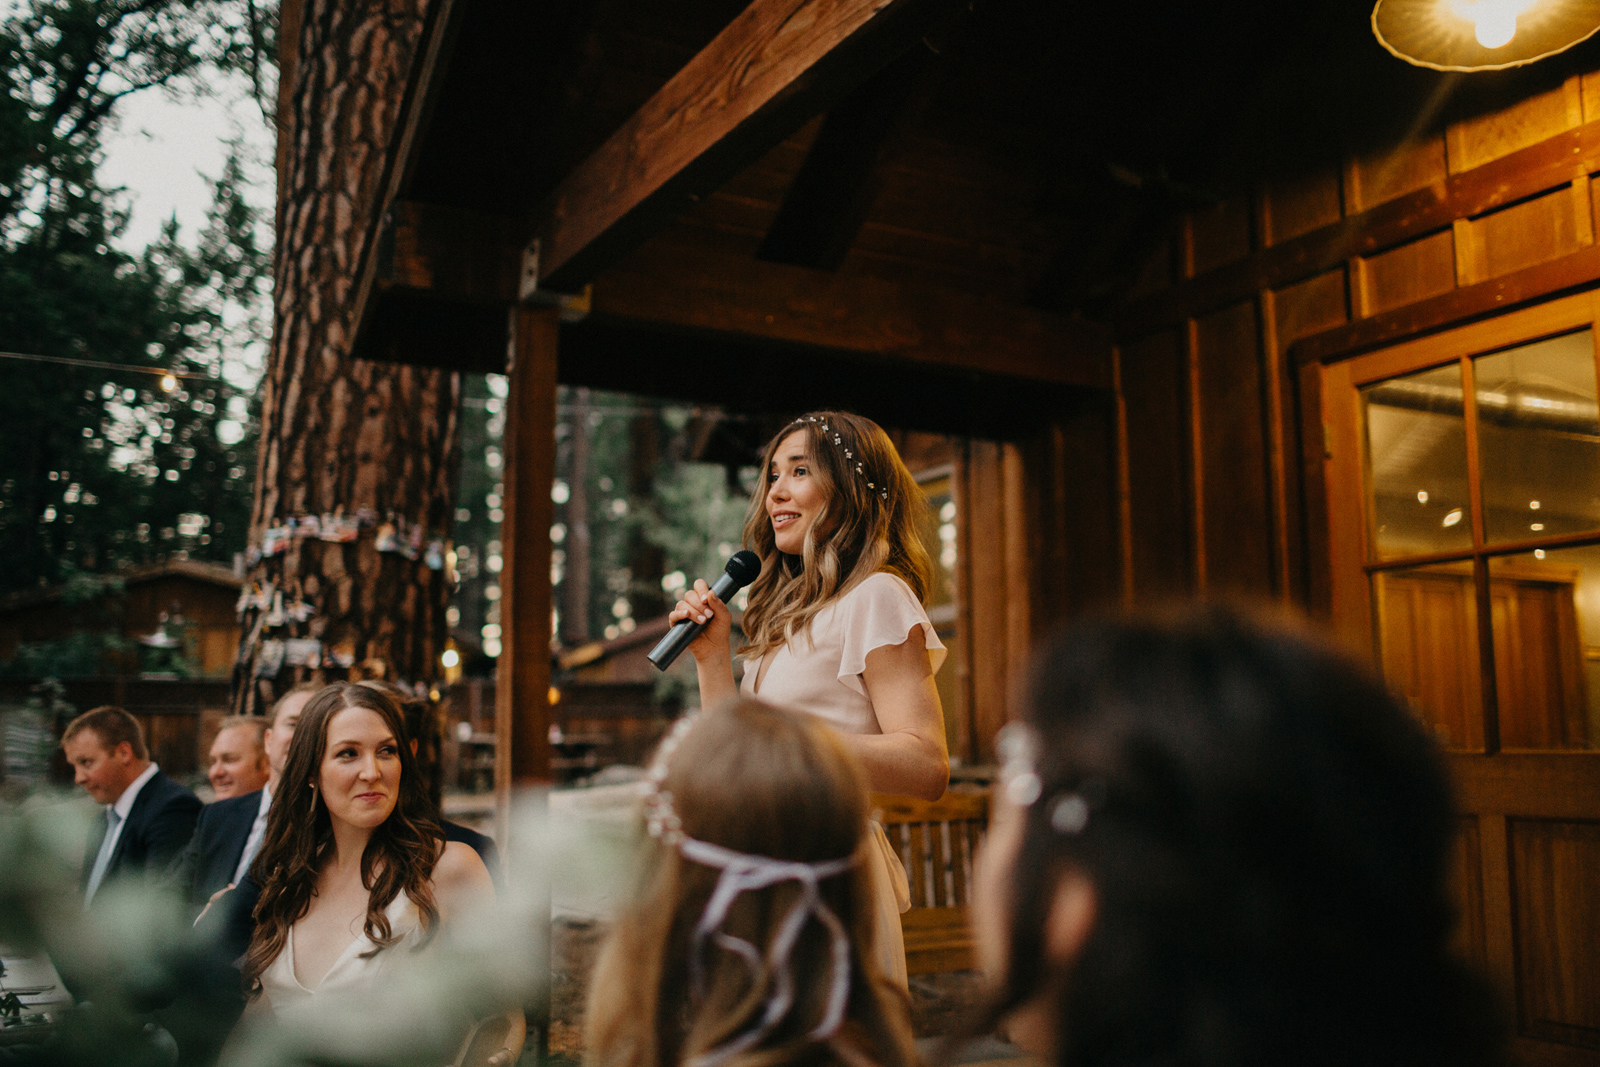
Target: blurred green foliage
x=84, y=654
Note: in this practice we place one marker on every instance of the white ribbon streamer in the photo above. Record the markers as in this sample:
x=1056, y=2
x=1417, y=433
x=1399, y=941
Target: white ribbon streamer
x=742, y=872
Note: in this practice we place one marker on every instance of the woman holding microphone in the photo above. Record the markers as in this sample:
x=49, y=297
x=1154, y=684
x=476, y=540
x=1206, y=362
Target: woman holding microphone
x=835, y=625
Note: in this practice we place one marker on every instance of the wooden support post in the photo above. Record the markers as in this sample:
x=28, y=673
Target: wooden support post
x=522, y=697
x=522, y=679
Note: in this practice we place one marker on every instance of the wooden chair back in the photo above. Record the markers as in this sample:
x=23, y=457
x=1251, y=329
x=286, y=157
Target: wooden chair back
x=936, y=841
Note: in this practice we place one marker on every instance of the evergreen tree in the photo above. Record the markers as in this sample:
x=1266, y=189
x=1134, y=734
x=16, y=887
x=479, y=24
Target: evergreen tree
x=100, y=468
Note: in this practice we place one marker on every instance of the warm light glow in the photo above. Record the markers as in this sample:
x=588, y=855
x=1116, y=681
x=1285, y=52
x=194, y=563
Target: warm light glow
x=1452, y=518
x=1482, y=35
x=1494, y=22
x=449, y=658
x=1422, y=496
x=169, y=382
x=1494, y=29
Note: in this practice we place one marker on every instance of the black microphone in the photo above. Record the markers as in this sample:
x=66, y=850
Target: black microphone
x=742, y=569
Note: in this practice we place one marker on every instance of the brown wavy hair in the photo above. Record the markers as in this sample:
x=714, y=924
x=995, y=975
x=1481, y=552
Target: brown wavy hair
x=758, y=780
x=399, y=857
x=869, y=523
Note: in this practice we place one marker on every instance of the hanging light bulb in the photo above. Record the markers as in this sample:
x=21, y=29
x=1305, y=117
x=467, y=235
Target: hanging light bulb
x=1494, y=22
x=1472, y=35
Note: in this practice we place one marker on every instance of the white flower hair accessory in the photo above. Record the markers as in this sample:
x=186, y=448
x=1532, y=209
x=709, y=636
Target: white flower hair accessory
x=838, y=440
x=742, y=872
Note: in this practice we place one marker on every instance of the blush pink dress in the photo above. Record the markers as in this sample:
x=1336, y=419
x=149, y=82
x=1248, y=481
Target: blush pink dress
x=819, y=673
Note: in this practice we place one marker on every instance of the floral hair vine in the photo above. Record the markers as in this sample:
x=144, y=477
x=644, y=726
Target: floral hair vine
x=743, y=872
x=849, y=456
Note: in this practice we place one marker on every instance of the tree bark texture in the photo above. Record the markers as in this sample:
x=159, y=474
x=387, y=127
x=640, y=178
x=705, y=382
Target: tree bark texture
x=350, y=438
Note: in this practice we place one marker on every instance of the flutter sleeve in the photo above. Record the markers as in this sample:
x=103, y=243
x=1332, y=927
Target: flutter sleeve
x=880, y=611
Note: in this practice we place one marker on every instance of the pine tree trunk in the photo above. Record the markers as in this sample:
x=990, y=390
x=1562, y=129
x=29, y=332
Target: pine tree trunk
x=360, y=440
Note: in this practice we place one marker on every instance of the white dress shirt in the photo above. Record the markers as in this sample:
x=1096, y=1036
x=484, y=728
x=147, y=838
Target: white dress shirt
x=258, y=830
x=122, y=806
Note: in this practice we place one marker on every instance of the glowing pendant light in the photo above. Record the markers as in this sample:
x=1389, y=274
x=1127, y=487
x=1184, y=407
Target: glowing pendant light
x=1468, y=35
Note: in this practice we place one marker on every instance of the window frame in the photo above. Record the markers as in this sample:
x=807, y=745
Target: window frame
x=1353, y=557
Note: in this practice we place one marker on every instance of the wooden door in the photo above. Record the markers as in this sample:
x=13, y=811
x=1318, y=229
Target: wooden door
x=1463, y=486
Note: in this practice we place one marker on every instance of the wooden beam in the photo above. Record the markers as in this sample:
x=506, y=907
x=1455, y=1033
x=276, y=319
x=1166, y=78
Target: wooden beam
x=451, y=253
x=777, y=64
x=446, y=258
x=415, y=327
x=522, y=676
x=699, y=289
x=1575, y=271
x=827, y=203
x=1538, y=168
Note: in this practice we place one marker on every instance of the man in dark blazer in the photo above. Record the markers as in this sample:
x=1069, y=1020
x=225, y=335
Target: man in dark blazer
x=148, y=817
x=229, y=832
x=214, y=852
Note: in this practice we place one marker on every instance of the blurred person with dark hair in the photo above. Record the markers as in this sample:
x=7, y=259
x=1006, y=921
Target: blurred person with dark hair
x=230, y=830
x=238, y=760
x=354, y=872
x=148, y=816
x=1216, y=842
x=750, y=939
x=427, y=745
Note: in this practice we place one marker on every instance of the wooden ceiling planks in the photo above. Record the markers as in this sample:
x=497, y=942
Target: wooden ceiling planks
x=942, y=217
x=777, y=64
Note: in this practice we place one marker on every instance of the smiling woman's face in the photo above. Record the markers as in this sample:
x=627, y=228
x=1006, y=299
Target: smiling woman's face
x=795, y=493
x=360, y=776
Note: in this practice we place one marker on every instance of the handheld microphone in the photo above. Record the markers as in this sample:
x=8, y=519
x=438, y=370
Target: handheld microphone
x=743, y=568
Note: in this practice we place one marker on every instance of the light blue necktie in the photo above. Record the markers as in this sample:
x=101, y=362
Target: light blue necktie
x=103, y=860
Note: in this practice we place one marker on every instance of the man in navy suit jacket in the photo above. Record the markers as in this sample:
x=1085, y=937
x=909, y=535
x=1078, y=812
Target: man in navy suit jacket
x=214, y=853
x=230, y=831
x=148, y=816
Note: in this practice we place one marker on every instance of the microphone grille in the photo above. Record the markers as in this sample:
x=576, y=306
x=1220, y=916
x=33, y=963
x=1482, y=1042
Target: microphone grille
x=744, y=567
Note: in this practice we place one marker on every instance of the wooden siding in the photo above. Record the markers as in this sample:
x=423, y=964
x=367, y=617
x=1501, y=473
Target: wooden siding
x=1218, y=444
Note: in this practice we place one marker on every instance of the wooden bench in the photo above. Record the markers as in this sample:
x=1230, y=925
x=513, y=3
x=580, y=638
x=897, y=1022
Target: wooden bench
x=936, y=841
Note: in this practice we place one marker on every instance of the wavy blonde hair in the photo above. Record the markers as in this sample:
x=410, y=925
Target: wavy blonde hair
x=867, y=524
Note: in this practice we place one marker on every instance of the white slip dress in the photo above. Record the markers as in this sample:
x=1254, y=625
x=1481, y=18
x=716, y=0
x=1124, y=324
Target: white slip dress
x=354, y=971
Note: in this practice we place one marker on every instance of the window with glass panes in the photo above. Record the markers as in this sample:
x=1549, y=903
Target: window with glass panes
x=1480, y=546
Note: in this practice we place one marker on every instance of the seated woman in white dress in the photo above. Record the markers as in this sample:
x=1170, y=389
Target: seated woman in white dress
x=354, y=871
x=747, y=943
x=835, y=625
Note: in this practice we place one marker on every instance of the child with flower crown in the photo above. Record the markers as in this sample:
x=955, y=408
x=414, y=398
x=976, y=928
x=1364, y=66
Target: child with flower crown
x=744, y=945
x=835, y=625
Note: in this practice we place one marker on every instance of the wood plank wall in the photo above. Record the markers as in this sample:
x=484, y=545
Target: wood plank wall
x=1219, y=443
x=1037, y=526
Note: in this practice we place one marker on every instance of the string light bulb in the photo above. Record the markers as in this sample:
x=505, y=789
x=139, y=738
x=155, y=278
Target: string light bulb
x=169, y=382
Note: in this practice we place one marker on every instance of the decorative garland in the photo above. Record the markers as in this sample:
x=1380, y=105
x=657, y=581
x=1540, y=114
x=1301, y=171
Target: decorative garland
x=394, y=535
